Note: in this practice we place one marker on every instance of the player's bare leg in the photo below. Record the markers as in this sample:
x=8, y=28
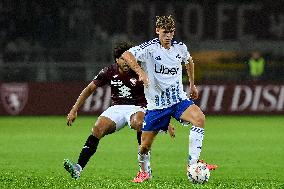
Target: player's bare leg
x=147, y=140
x=194, y=115
x=136, y=122
x=103, y=126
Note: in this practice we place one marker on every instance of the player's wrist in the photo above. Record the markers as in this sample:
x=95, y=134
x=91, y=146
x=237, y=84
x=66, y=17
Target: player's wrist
x=140, y=72
x=74, y=109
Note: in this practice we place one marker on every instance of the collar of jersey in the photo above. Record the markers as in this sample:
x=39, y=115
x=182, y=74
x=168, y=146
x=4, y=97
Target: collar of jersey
x=172, y=42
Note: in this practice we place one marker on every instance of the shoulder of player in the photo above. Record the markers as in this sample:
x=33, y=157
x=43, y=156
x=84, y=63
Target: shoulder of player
x=179, y=44
x=150, y=43
x=109, y=69
x=112, y=68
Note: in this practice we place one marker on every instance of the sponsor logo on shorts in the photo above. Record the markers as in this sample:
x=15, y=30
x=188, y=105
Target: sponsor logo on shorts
x=144, y=124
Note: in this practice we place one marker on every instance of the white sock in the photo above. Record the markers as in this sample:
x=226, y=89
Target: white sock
x=195, y=144
x=144, y=162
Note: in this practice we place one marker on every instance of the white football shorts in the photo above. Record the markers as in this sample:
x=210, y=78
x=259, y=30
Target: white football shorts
x=121, y=114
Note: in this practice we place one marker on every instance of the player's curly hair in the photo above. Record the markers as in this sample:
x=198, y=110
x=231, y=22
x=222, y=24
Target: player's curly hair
x=120, y=48
x=165, y=22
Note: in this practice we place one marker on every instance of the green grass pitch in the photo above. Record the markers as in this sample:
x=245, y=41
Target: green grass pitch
x=248, y=150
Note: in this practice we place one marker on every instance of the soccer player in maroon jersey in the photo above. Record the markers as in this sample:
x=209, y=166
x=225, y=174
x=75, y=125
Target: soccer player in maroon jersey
x=128, y=100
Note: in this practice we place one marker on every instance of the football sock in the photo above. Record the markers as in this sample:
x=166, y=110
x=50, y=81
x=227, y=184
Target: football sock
x=195, y=143
x=88, y=150
x=144, y=162
x=139, y=133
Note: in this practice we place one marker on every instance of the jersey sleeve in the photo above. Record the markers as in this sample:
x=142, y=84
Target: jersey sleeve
x=185, y=54
x=102, y=78
x=139, y=53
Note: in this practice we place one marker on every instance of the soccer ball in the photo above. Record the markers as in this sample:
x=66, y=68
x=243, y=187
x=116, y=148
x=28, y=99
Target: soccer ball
x=198, y=173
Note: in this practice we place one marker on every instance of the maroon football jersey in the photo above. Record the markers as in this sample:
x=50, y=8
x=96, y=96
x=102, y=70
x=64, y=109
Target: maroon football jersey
x=125, y=88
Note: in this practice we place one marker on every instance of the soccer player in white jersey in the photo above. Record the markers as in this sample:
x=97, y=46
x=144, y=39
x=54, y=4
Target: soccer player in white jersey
x=128, y=101
x=161, y=72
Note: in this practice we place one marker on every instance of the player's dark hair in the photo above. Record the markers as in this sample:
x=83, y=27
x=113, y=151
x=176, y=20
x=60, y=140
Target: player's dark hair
x=120, y=48
x=165, y=22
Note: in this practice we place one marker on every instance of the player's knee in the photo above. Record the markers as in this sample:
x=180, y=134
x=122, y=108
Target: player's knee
x=101, y=129
x=98, y=132
x=144, y=148
x=136, y=124
x=200, y=120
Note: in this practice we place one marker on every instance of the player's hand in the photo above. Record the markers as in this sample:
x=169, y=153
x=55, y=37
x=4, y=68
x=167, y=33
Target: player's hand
x=144, y=78
x=193, y=92
x=171, y=130
x=71, y=117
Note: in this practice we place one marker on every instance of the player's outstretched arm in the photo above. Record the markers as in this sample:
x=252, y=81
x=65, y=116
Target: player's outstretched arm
x=80, y=100
x=131, y=61
x=190, y=72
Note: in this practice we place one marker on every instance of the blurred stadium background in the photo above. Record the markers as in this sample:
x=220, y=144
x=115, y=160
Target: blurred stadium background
x=50, y=47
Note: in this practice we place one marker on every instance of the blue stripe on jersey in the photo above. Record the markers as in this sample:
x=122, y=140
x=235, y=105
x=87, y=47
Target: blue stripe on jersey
x=148, y=43
x=156, y=40
x=174, y=42
x=174, y=97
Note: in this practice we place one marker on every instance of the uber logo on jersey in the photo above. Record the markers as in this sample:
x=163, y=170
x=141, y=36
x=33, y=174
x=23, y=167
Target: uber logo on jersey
x=164, y=70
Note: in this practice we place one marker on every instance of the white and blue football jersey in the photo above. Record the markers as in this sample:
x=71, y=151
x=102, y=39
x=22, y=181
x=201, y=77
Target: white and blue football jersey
x=164, y=69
